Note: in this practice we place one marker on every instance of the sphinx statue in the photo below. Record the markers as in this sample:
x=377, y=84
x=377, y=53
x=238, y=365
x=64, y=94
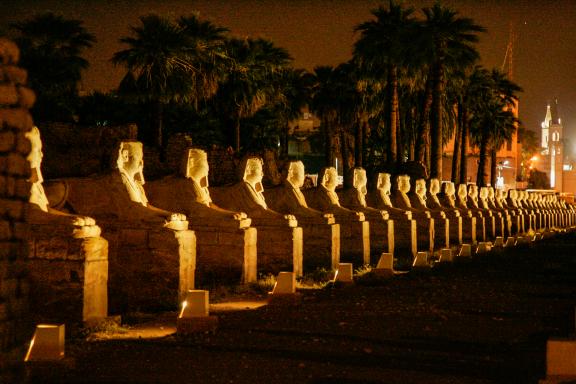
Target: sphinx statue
x=225, y=242
x=152, y=252
x=426, y=223
x=60, y=242
x=497, y=217
x=279, y=236
x=447, y=200
x=512, y=204
x=433, y=203
x=463, y=205
x=322, y=233
x=522, y=201
x=354, y=229
x=418, y=197
x=381, y=226
x=491, y=203
x=405, y=227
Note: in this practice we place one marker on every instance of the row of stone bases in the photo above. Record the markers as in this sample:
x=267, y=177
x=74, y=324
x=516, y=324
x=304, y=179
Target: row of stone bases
x=152, y=254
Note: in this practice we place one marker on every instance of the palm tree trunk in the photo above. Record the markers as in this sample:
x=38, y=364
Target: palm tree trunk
x=237, y=134
x=399, y=142
x=493, y=172
x=157, y=117
x=456, y=151
x=392, y=112
x=345, y=157
x=284, y=142
x=358, y=147
x=464, y=147
x=481, y=176
x=436, y=122
x=423, y=136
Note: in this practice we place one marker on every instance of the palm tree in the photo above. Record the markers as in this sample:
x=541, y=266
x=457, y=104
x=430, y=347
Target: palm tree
x=492, y=122
x=383, y=48
x=451, y=40
x=170, y=62
x=51, y=48
x=248, y=85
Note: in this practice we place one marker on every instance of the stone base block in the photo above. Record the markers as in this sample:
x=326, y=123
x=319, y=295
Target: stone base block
x=321, y=246
x=192, y=325
x=465, y=251
x=226, y=256
x=355, y=242
x=421, y=260
x=280, y=249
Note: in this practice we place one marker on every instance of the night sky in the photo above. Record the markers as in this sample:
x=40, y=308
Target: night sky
x=320, y=32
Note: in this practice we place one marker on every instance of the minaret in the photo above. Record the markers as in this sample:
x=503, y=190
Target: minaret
x=552, y=132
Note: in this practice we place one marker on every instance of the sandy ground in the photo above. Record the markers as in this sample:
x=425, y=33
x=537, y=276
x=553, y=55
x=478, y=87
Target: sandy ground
x=482, y=321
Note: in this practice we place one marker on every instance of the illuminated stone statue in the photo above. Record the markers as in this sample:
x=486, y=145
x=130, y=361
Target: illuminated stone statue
x=226, y=244
x=433, y=203
x=40, y=211
x=497, y=216
x=152, y=253
x=381, y=226
x=354, y=230
x=279, y=236
x=67, y=241
x=405, y=231
x=322, y=233
x=463, y=204
x=447, y=200
x=441, y=222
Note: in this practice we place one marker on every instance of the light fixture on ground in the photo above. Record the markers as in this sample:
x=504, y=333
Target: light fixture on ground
x=510, y=241
x=47, y=343
x=194, y=316
x=421, y=260
x=284, y=291
x=385, y=266
x=446, y=255
x=344, y=273
x=465, y=251
x=499, y=241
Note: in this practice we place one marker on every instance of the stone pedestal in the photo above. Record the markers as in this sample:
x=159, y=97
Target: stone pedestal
x=355, y=242
x=150, y=269
x=321, y=245
x=225, y=255
x=68, y=276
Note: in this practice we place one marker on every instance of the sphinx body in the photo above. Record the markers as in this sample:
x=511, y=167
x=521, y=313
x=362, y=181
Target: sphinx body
x=491, y=203
x=405, y=227
x=381, y=226
x=433, y=204
x=462, y=204
x=512, y=204
x=489, y=219
x=498, y=218
x=225, y=241
x=152, y=252
x=354, y=229
x=280, y=238
x=426, y=224
x=61, y=242
x=447, y=200
x=320, y=230
x=417, y=197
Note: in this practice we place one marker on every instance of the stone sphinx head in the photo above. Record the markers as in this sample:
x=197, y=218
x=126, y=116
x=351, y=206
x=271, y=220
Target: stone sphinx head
x=512, y=194
x=462, y=192
x=131, y=160
x=196, y=166
x=483, y=193
x=434, y=186
x=420, y=188
x=383, y=183
x=37, y=195
x=295, y=174
x=329, y=178
x=253, y=173
x=403, y=182
x=359, y=181
x=491, y=193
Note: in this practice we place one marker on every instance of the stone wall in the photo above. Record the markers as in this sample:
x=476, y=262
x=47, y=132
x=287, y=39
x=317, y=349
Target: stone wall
x=15, y=121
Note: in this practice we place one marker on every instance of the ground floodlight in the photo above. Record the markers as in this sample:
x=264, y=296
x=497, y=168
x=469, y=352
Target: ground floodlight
x=47, y=343
x=195, y=304
x=344, y=273
x=285, y=283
